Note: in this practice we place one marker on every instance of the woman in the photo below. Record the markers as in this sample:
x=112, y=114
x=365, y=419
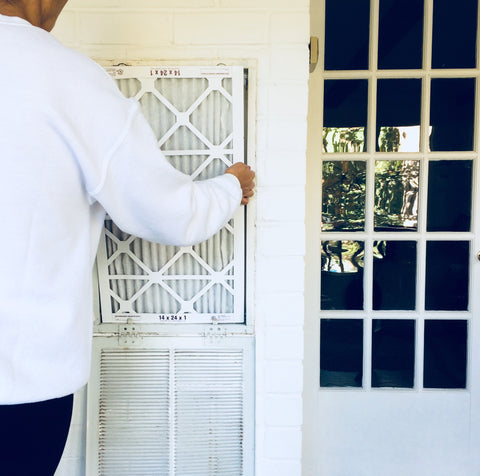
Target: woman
x=72, y=148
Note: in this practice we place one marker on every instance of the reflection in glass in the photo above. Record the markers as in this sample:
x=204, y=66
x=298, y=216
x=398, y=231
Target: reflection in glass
x=449, y=195
x=343, y=139
x=343, y=195
x=393, y=353
x=342, y=275
x=400, y=34
x=398, y=115
x=396, y=194
x=346, y=51
x=341, y=352
x=394, y=275
x=446, y=286
x=454, y=33
x=452, y=114
x=399, y=139
x=345, y=115
x=445, y=360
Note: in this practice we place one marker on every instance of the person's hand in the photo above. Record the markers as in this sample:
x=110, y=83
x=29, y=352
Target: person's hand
x=245, y=176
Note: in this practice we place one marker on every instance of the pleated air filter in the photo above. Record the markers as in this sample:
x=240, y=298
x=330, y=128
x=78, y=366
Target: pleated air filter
x=197, y=116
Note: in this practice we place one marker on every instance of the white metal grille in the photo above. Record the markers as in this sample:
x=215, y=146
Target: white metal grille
x=134, y=413
x=208, y=413
x=197, y=116
x=173, y=411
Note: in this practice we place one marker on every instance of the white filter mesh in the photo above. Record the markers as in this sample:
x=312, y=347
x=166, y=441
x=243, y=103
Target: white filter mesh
x=193, y=119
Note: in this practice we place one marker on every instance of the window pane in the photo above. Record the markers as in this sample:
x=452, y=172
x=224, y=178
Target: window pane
x=394, y=275
x=451, y=114
x=343, y=196
x=449, y=195
x=345, y=115
x=341, y=352
x=342, y=275
x=346, y=34
x=400, y=34
x=454, y=33
x=445, y=364
x=393, y=353
x=398, y=115
x=396, y=195
x=446, y=287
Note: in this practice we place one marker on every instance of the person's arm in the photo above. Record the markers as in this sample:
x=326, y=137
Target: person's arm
x=147, y=197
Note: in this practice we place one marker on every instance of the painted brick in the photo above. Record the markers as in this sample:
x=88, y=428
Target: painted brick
x=282, y=468
x=287, y=238
x=220, y=28
x=283, y=443
x=65, y=28
x=283, y=376
x=139, y=4
x=263, y=97
x=281, y=167
x=281, y=203
x=162, y=54
x=262, y=128
x=289, y=132
x=290, y=63
x=287, y=99
x=91, y=4
x=125, y=28
x=105, y=55
x=290, y=27
x=268, y=4
x=283, y=410
x=280, y=274
x=286, y=309
x=284, y=343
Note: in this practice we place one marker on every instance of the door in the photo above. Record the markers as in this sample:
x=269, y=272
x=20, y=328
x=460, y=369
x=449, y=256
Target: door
x=393, y=219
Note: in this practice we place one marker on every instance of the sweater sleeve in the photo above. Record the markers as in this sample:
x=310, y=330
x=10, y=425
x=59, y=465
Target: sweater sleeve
x=149, y=198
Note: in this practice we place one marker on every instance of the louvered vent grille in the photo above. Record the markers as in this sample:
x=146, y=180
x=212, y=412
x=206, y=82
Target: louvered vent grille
x=208, y=413
x=148, y=427
x=134, y=413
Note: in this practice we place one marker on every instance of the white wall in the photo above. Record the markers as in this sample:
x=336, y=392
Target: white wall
x=271, y=37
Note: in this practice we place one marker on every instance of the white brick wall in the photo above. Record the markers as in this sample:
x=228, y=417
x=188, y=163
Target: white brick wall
x=270, y=36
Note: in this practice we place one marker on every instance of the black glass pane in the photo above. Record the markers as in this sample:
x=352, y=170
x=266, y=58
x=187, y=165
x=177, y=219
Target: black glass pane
x=449, y=195
x=393, y=353
x=346, y=34
x=343, y=196
x=396, y=195
x=341, y=352
x=445, y=361
x=345, y=115
x=400, y=34
x=454, y=33
x=398, y=115
x=394, y=275
x=342, y=275
x=451, y=114
x=446, y=286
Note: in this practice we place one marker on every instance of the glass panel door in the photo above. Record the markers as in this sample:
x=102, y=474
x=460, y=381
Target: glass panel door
x=393, y=198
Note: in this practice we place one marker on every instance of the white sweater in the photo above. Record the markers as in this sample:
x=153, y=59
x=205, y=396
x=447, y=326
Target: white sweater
x=71, y=147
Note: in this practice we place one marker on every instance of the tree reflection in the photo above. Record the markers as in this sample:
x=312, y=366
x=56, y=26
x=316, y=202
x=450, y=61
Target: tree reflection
x=396, y=194
x=344, y=195
x=343, y=139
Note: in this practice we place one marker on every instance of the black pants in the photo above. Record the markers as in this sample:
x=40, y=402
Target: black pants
x=33, y=436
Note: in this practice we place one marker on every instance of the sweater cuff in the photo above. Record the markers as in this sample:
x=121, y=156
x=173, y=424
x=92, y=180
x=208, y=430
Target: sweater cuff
x=232, y=185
